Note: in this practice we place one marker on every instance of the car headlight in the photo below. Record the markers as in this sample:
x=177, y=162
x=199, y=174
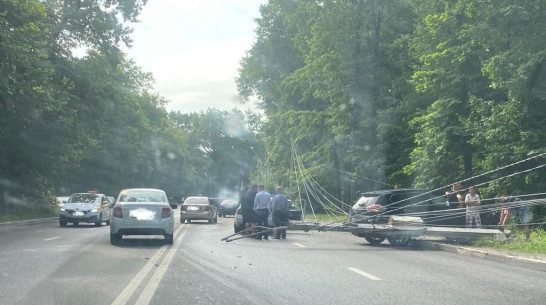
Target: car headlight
x=62, y=210
x=94, y=211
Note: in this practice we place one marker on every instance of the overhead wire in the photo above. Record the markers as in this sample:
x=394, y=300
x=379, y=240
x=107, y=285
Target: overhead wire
x=442, y=196
x=316, y=190
x=359, y=176
x=477, y=176
x=306, y=191
x=312, y=187
x=479, y=184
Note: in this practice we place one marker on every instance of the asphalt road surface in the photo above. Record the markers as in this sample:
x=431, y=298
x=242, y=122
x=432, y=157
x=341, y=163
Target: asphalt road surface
x=46, y=264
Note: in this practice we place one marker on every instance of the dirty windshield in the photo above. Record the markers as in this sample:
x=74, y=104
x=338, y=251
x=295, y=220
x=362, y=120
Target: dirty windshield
x=365, y=152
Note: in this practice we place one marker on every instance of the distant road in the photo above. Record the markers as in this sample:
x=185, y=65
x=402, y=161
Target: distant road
x=46, y=264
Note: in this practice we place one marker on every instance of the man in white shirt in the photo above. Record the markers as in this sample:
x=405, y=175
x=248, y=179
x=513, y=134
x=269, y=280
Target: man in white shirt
x=262, y=204
x=472, y=202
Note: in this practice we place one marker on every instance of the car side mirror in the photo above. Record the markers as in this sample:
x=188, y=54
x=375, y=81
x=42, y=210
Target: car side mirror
x=173, y=205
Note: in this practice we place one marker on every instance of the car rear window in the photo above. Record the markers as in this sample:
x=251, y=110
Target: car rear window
x=142, y=196
x=229, y=202
x=196, y=200
x=84, y=198
x=367, y=200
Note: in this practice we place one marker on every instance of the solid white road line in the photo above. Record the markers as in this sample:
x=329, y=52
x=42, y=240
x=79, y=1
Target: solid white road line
x=299, y=245
x=52, y=238
x=150, y=289
x=370, y=276
x=126, y=294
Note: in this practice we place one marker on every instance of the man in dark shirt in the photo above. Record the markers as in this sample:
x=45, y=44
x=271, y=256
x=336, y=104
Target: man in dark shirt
x=454, y=198
x=247, y=207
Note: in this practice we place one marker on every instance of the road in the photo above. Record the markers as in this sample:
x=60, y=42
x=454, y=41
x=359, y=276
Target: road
x=46, y=264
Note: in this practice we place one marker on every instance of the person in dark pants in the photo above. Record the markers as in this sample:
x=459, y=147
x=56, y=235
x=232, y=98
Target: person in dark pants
x=262, y=203
x=247, y=207
x=279, y=209
x=514, y=207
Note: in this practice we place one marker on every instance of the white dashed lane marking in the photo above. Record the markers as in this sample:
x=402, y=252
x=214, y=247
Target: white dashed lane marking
x=52, y=238
x=370, y=276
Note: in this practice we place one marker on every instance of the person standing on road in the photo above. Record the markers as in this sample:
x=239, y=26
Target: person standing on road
x=473, y=202
x=242, y=193
x=247, y=208
x=455, y=198
x=279, y=209
x=523, y=212
x=262, y=203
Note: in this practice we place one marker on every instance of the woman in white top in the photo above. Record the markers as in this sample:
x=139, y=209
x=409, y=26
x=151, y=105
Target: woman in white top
x=472, y=202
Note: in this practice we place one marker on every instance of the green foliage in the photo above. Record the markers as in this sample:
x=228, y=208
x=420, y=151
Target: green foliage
x=537, y=243
x=222, y=150
x=70, y=124
x=418, y=93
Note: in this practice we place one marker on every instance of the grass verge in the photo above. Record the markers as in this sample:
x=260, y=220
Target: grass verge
x=537, y=243
x=24, y=213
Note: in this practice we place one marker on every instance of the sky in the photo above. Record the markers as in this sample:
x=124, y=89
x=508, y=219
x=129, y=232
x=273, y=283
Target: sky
x=193, y=49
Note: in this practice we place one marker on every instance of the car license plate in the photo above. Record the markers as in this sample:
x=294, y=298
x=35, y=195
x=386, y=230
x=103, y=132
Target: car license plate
x=142, y=214
x=78, y=213
x=193, y=209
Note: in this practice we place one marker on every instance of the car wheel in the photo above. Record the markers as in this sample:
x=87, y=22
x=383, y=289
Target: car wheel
x=62, y=223
x=374, y=240
x=398, y=240
x=169, y=239
x=98, y=223
x=188, y=220
x=115, y=238
x=182, y=220
x=107, y=222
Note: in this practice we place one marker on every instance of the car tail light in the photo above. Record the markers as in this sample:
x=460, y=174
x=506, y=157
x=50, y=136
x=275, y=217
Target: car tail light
x=117, y=212
x=166, y=212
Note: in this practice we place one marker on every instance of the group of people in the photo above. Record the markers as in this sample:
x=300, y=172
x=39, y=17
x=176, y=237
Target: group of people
x=472, y=202
x=257, y=204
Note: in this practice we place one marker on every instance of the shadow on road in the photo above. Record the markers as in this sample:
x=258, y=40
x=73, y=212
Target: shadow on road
x=139, y=242
x=80, y=226
x=413, y=246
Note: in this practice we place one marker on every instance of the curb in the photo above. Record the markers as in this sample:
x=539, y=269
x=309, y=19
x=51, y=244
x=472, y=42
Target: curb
x=29, y=221
x=501, y=258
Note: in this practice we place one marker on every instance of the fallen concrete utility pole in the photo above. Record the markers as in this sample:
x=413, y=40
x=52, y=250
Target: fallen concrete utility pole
x=398, y=231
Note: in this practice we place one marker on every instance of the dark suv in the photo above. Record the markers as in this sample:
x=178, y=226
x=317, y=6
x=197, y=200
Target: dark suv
x=378, y=206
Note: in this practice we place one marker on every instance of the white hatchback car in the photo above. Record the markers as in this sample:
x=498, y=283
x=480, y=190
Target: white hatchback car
x=142, y=212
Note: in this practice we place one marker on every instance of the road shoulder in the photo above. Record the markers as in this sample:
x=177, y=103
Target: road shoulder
x=30, y=221
x=522, y=259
